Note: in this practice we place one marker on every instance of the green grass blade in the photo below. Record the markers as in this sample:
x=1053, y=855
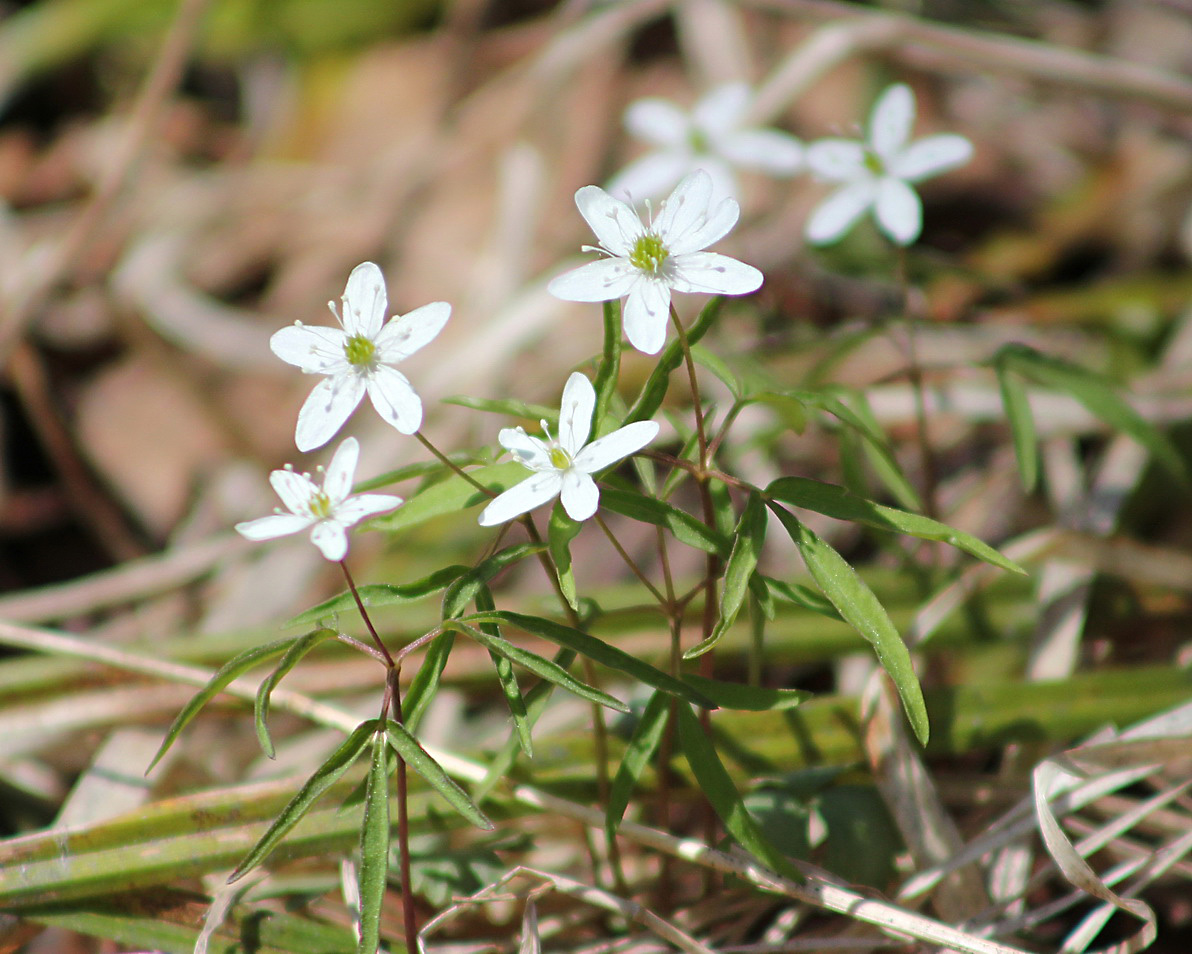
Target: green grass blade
x=861, y=609
x=324, y=777
x=374, y=846
x=1022, y=423
x=647, y=736
x=684, y=527
x=300, y=647
x=835, y=501
x=736, y=695
x=373, y=595
x=417, y=758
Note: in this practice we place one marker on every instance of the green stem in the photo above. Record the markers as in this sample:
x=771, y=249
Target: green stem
x=915, y=376
x=452, y=465
x=629, y=562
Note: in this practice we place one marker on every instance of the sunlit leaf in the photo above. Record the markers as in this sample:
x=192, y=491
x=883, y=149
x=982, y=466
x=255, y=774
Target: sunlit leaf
x=639, y=753
x=417, y=758
x=292, y=657
x=374, y=845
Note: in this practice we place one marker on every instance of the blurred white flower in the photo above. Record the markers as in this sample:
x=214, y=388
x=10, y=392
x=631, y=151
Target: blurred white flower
x=878, y=173
x=646, y=261
x=564, y=465
x=712, y=137
x=328, y=510
x=356, y=358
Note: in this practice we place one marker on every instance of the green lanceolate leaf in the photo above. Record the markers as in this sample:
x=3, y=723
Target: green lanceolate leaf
x=559, y=534
x=451, y=496
x=881, y=458
x=647, y=735
x=425, y=683
x=713, y=362
x=834, y=501
x=541, y=667
x=417, y=758
x=609, y=371
x=509, y=407
x=422, y=468
x=714, y=781
x=374, y=595
x=742, y=561
x=506, y=677
x=374, y=845
x=861, y=610
x=789, y=409
x=1022, y=423
x=798, y=594
x=226, y=674
x=1096, y=393
x=685, y=528
x=463, y=591
x=301, y=646
x=654, y=392
x=598, y=651
x=324, y=777
x=736, y=695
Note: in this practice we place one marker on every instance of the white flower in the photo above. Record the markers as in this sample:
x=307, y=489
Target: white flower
x=711, y=137
x=328, y=510
x=356, y=358
x=646, y=261
x=878, y=173
x=564, y=466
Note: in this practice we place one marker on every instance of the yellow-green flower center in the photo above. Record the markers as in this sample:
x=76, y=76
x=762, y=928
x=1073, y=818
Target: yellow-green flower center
x=360, y=351
x=320, y=506
x=698, y=141
x=873, y=162
x=649, y=254
x=559, y=458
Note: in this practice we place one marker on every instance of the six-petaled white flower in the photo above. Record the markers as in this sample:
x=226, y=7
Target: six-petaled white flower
x=357, y=358
x=328, y=510
x=647, y=260
x=712, y=137
x=564, y=465
x=879, y=172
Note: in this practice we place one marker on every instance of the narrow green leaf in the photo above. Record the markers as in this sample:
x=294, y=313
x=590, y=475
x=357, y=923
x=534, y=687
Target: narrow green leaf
x=736, y=695
x=598, y=651
x=559, y=534
x=451, y=496
x=1022, y=423
x=714, y=781
x=226, y=674
x=417, y=758
x=834, y=501
x=654, y=391
x=742, y=561
x=861, y=610
x=425, y=683
x=881, y=458
x=790, y=410
x=324, y=777
x=714, y=363
x=724, y=513
x=541, y=667
x=422, y=468
x=506, y=676
x=374, y=846
x=509, y=407
x=463, y=590
x=685, y=528
x=609, y=371
x=301, y=646
x=647, y=735
x=374, y=595
x=798, y=594
x=1099, y=395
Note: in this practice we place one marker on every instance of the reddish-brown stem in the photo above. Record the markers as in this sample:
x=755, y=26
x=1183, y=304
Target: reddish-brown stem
x=343, y=565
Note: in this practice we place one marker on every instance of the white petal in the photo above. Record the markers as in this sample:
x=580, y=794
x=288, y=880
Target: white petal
x=364, y=301
x=652, y=175
x=295, y=490
x=899, y=211
x=685, y=209
x=530, y=493
x=721, y=110
x=579, y=494
x=604, y=280
x=613, y=447
x=931, y=156
x=714, y=274
x=273, y=526
x=401, y=337
x=837, y=160
x=657, y=120
x=718, y=223
x=528, y=450
x=891, y=121
x=394, y=398
x=316, y=349
x=837, y=213
x=337, y=483
x=330, y=404
x=769, y=150
x=331, y=537
x=724, y=181
x=614, y=223
x=357, y=508
x=575, y=412
x=646, y=312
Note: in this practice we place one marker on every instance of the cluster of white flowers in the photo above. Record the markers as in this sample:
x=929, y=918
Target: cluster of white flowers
x=876, y=173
